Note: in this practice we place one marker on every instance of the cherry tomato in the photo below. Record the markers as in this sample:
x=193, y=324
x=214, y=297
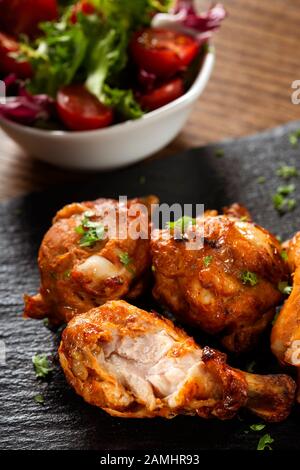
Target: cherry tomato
x=80, y=110
x=24, y=16
x=84, y=7
x=162, y=95
x=163, y=52
x=8, y=64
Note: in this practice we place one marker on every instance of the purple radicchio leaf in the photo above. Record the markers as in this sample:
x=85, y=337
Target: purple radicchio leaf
x=27, y=108
x=186, y=17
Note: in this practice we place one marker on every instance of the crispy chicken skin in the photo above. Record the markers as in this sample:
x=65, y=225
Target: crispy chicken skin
x=78, y=273
x=227, y=287
x=285, y=337
x=135, y=364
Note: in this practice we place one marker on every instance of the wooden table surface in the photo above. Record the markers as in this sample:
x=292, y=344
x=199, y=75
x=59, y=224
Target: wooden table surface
x=250, y=90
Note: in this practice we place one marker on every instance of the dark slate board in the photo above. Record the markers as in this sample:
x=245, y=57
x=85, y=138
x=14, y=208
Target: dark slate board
x=65, y=421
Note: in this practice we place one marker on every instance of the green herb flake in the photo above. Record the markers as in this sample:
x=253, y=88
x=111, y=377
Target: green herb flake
x=80, y=230
x=67, y=274
x=278, y=202
x=283, y=204
x=291, y=204
x=153, y=268
x=127, y=261
x=294, y=138
x=219, y=153
x=207, y=260
x=181, y=224
x=287, y=189
x=284, y=255
x=244, y=218
x=264, y=442
x=39, y=399
x=46, y=322
x=284, y=288
x=250, y=278
x=286, y=171
x=41, y=365
x=261, y=180
x=257, y=427
x=91, y=231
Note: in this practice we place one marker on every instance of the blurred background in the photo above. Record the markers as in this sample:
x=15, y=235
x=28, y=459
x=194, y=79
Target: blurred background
x=257, y=52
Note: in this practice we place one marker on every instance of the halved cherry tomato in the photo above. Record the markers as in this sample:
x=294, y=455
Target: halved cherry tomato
x=24, y=16
x=84, y=7
x=8, y=64
x=80, y=110
x=162, y=95
x=163, y=52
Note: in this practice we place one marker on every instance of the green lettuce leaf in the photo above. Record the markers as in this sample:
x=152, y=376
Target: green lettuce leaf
x=122, y=101
x=57, y=57
x=94, y=51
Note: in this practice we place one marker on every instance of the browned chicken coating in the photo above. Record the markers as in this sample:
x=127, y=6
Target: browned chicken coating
x=285, y=337
x=83, y=263
x=135, y=364
x=226, y=287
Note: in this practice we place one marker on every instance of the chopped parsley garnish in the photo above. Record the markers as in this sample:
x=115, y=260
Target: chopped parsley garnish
x=291, y=204
x=250, y=278
x=39, y=399
x=261, y=179
x=294, y=138
x=46, y=322
x=219, y=153
x=181, y=224
x=67, y=274
x=284, y=255
x=127, y=261
x=41, y=365
x=244, y=218
x=257, y=427
x=91, y=231
x=264, y=442
x=283, y=204
x=207, y=260
x=284, y=288
x=286, y=171
x=287, y=189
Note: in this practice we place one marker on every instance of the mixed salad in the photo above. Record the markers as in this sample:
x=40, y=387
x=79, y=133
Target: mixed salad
x=88, y=64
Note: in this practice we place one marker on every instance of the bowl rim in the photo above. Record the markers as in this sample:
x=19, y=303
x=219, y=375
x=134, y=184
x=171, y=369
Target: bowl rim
x=195, y=90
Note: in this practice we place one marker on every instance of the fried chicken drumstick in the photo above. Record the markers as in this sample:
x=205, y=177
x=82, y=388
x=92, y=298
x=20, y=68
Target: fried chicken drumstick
x=229, y=286
x=285, y=337
x=82, y=266
x=135, y=364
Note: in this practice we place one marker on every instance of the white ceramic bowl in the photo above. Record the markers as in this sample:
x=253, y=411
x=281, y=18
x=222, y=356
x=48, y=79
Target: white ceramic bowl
x=114, y=146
